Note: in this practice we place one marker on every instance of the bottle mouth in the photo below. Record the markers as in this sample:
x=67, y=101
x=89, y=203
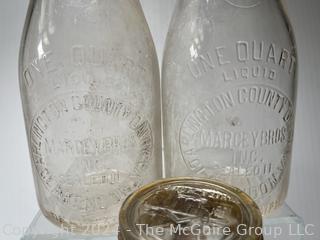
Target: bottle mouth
x=189, y=208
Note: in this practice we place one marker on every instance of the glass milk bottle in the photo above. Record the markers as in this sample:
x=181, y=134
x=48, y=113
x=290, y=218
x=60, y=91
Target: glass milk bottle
x=89, y=83
x=229, y=90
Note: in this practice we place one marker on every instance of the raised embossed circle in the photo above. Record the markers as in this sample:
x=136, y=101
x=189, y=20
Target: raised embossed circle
x=188, y=208
x=241, y=136
x=90, y=150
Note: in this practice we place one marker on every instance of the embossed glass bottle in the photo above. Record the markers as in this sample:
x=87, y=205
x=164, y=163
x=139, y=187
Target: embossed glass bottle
x=89, y=83
x=229, y=90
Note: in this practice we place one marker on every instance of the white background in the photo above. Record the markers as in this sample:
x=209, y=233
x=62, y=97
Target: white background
x=17, y=196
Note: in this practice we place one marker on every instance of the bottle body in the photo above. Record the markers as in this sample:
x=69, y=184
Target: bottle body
x=229, y=91
x=89, y=84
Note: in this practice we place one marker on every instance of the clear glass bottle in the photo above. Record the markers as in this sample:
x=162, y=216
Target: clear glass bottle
x=229, y=92
x=89, y=83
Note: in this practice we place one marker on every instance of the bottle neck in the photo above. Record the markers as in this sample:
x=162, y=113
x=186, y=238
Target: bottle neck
x=83, y=3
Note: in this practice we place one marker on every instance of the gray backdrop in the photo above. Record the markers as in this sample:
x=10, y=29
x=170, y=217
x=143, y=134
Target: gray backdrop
x=17, y=196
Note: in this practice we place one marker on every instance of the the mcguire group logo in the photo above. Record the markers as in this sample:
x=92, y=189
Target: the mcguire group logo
x=244, y=3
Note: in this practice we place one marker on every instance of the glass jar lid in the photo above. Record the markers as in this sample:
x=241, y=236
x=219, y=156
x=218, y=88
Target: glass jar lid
x=189, y=208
